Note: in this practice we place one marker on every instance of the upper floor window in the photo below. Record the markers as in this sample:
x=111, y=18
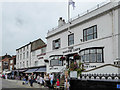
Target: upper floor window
x=27, y=54
x=20, y=56
x=92, y=55
x=27, y=63
x=90, y=33
x=23, y=55
x=43, y=50
x=70, y=39
x=56, y=44
x=36, y=63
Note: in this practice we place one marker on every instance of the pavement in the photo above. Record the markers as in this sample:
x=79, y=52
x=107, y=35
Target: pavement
x=19, y=83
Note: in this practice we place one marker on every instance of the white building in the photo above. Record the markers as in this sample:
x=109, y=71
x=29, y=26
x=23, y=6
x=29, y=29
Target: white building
x=31, y=55
x=95, y=36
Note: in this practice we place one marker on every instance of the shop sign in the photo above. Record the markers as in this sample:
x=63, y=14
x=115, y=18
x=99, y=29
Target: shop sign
x=71, y=49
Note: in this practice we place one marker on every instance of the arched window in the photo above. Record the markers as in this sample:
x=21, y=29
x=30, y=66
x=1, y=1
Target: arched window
x=92, y=55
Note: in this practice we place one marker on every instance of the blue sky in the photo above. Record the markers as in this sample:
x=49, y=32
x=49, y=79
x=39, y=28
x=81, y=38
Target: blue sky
x=23, y=22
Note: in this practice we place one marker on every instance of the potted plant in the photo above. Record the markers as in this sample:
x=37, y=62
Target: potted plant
x=75, y=67
x=76, y=56
x=62, y=58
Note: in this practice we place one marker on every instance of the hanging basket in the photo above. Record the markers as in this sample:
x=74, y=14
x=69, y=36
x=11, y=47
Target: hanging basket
x=76, y=56
x=62, y=58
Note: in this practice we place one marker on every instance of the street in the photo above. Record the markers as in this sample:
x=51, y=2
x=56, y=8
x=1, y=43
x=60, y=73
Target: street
x=10, y=84
x=17, y=85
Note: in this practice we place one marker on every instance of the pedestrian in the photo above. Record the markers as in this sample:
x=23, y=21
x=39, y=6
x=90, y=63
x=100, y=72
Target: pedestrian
x=6, y=76
x=41, y=80
x=31, y=80
x=26, y=79
x=58, y=84
x=38, y=77
x=66, y=83
x=51, y=79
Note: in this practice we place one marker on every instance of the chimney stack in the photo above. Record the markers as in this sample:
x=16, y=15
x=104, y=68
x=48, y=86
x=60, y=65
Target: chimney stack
x=61, y=22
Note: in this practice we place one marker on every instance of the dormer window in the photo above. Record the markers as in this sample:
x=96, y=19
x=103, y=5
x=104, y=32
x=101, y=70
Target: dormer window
x=56, y=44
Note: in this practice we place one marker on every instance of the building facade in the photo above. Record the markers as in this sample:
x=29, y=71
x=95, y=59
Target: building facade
x=95, y=37
x=31, y=55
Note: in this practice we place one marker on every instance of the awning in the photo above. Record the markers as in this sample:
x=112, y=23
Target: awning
x=31, y=70
x=22, y=70
x=42, y=69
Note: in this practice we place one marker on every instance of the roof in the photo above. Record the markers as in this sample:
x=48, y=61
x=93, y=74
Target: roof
x=38, y=43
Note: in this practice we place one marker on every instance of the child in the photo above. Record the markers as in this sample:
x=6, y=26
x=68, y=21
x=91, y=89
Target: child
x=58, y=83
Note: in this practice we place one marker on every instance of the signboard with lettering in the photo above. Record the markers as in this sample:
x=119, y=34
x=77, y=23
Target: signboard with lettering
x=71, y=49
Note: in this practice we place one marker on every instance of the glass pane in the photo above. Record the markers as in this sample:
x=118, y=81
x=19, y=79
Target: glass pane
x=83, y=58
x=99, y=51
x=95, y=28
x=92, y=51
x=85, y=31
x=90, y=31
x=82, y=53
x=99, y=57
x=84, y=38
x=71, y=42
x=92, y=57
x=95, y=35
x=89, y=37
x=87, y=58
x=54, y=62
x=60, y=63
x=86, y=51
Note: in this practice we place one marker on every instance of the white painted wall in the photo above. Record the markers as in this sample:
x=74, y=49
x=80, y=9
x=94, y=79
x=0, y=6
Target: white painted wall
x=107, y=30
x=37, y=57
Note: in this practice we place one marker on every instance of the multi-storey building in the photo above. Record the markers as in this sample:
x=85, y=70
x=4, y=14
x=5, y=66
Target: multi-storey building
x=23, y=59
x=94, y=36
x=31, y=56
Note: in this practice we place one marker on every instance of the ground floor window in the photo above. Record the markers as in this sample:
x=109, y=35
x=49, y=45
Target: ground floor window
x=55, y=60
x=55, y=63
x=92, y=55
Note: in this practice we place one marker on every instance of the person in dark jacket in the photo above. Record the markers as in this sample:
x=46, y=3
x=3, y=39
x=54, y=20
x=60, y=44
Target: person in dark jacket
x=26, y=79
x=32, y=80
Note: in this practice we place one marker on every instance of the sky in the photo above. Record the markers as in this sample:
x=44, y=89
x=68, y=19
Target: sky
x=23, y=22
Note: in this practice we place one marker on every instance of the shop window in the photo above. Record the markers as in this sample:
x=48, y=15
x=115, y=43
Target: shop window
x=92, y=55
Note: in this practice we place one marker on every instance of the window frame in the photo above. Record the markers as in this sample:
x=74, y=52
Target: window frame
x=59, y=42
x=85, y=35
x=96, y=53
x=71, y=40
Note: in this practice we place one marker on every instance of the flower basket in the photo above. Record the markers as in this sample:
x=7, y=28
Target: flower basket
x=62, y=58
x=76, y=56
